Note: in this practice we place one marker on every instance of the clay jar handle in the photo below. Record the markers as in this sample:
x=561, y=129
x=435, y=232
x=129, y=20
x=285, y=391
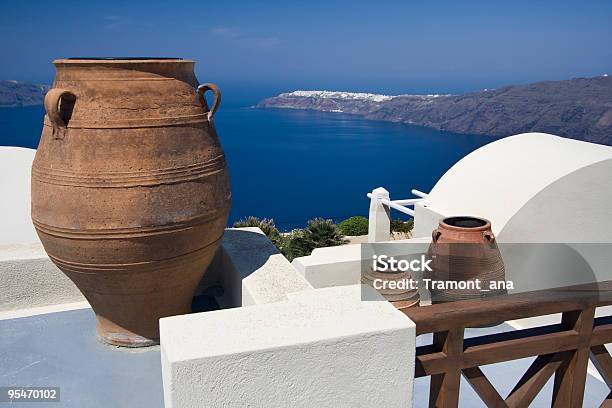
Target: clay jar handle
x=52, y=101
x=435, y=235
x=489, y=236
x=215, y=90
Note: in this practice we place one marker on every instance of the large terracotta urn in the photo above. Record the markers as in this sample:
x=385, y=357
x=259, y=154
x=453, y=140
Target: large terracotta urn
x=463, y=251
x=130, y=191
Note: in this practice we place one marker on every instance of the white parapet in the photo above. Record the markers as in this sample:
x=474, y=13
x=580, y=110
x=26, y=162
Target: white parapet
x=342, y=265
x=15, y=222
x=331, y=266
x=252, y=270
x=320, y=348
x=248, y=266
x=28, y=279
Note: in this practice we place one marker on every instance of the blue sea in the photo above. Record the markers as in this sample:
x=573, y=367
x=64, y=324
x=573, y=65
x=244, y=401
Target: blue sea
x=293, y=165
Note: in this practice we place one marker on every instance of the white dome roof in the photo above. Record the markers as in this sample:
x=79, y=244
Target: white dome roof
x=498, y=179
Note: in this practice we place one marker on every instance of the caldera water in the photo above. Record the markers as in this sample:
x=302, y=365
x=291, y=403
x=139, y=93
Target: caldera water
x=294, y=165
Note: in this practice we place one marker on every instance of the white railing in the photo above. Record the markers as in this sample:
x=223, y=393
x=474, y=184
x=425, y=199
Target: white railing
x=379, y=219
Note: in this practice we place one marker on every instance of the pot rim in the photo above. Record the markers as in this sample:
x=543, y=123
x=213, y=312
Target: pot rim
x=121, y=60
x=485, y=227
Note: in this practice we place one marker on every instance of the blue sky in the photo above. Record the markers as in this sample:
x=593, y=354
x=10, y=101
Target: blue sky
x=379, y=46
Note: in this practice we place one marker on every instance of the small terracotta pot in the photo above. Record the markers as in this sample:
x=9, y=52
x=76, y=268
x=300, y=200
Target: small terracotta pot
x=464, y=249
x=400, y=298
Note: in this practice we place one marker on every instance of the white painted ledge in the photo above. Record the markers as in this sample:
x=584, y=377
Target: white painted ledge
x=341, y=265
x=253, y=271
x=320, y=348
x=34, y=311
x=28, y=279
x=248, y=266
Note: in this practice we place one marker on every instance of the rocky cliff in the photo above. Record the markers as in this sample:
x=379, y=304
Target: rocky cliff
x=14, y=93
x=579, y=108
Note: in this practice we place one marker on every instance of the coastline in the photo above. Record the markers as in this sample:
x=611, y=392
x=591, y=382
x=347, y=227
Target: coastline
x=578, y=108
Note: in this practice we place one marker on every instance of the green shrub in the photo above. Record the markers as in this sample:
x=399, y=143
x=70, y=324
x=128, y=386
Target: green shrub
x=296, y=244
x=299, y=242
x=266, y=225
x=398, y=225
x=319, y=233
x=353, y=226
x=324, y=233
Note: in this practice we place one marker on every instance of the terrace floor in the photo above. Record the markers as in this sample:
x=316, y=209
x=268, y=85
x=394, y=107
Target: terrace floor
x=60, y=349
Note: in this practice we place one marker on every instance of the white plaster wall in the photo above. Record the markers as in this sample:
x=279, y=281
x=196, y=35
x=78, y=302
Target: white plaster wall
x=321, y=348
x=247, y=265
x=15, y=222
x=331, y=266
x=253, y=271
x=342, y=265
x=29, y=279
